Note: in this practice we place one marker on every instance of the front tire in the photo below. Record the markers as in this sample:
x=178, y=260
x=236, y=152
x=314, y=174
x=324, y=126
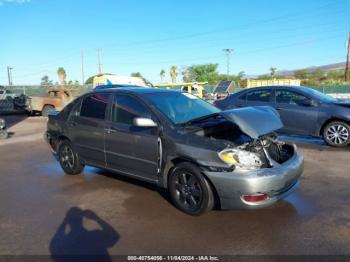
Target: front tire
x=69, y=159
x=189, y=190
x=337, y=134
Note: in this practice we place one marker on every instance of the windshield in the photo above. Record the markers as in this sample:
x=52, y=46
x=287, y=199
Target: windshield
x=322, y=97
x=180, y=107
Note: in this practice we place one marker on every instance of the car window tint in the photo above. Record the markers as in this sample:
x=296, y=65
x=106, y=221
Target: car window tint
x=94, y=106
x=259, y=96
x=289, y=97
x=126, y=108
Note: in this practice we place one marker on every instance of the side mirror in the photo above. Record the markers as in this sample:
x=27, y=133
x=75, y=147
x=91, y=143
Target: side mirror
x=144, y=122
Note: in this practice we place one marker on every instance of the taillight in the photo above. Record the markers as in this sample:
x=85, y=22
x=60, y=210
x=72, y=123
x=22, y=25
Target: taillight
x=255, y=198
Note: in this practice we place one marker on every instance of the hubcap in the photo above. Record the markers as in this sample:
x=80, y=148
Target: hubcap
x=67, y=157
x=188, y=190
x=337, y=134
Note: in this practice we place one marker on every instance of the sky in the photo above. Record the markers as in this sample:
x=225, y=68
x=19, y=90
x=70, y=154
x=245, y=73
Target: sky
x=146, y=36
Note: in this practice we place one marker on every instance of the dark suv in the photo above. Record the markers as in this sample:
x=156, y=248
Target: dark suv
x=202, y=155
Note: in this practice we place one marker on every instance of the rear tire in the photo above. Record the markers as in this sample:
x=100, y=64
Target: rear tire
x=189, y=190
x=4, y=134
x=47, y=109
x=69, y=159
x=337, y=134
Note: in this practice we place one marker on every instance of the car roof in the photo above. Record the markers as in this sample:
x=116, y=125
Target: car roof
x=133, y=89
x=300, y=88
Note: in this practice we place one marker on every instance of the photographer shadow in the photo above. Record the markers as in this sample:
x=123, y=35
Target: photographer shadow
x=72, y=238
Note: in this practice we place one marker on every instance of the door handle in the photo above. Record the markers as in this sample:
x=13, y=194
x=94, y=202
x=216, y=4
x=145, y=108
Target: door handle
x=111, y=130
x=240, y=105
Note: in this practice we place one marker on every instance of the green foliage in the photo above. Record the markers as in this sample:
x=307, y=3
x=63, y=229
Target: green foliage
x=162, y=75
x=202, y=73
x=45, y=81
x=273, y=71
x=61, y=72
x=136, y=74
x=173, y=73
x=90, y=80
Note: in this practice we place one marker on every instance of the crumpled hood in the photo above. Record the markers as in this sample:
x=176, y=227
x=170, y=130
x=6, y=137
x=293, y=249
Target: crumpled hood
x=254, y=121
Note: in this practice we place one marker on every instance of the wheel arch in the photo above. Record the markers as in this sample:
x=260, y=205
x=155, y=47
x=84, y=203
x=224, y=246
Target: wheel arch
x=47, y=105
x=177, y=160
x=332, y=119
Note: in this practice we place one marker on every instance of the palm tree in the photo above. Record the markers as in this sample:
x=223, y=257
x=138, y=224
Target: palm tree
x=162, y=75
x=273, y=72
x=173, y=73
x=61, y=75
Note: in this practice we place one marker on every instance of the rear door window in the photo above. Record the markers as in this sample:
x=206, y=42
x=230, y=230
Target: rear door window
x=259, y=96
x=95, y=106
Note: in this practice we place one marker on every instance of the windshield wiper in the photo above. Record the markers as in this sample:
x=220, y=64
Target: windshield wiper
x=198, y=119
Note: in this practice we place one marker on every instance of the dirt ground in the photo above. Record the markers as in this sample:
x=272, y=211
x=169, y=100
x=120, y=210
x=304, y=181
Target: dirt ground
x=43, y=211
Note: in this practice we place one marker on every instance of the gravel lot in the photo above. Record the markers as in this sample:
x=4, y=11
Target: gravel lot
x=108, y=213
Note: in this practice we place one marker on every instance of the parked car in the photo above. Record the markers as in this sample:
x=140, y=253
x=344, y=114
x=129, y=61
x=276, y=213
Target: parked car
x=303, y=110
x=3, y=129
x=54, y=100
x=203, y=156
x=7, y=95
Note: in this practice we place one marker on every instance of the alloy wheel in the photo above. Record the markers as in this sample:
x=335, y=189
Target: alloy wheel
x=338, y=134
x=67, y=157
x=188, y=191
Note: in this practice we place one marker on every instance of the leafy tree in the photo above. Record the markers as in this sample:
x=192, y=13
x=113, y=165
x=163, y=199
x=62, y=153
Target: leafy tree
x=45, y=81
x=173, y=73
x=61, y=72
x=202, y=73
x=90, y=80
x=162, y=75
x=273, y=71
x=136, y=74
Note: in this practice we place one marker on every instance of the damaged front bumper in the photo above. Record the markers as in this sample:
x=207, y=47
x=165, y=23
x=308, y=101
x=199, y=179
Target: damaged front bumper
x=276, y=182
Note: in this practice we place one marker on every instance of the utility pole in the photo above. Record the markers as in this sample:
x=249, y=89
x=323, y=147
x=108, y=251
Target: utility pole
x=9, y=75
x=99, y=61
x=228, y=51
x=82, y=67
x=346, y=73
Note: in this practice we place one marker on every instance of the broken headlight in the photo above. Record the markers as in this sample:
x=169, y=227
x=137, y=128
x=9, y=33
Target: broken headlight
x=241, y=159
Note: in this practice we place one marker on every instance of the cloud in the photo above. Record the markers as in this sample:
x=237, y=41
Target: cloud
x=2, y=2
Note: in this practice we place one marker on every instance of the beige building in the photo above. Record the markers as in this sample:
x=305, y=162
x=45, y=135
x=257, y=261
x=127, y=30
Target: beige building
x=270, y=82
